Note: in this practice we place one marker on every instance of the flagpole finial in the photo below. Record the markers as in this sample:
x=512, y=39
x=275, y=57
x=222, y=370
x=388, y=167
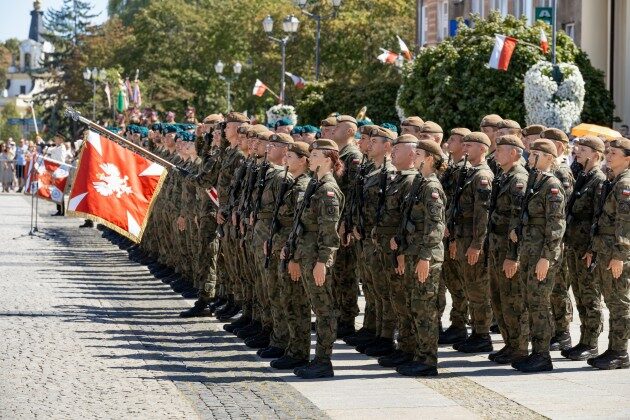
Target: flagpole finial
x=72, y=113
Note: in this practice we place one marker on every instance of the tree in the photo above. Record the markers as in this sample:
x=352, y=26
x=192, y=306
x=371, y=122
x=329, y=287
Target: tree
x=6, y=130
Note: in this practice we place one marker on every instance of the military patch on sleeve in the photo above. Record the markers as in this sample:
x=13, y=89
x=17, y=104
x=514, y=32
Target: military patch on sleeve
x=330, y=193
x=356, y=161
x=554, y=191
x=435, y=195
x=519, y=185
x=566, y=184
x=626, y=193
x=484, y=182
x=624, y=207
x=435, y=210
x=331, y=210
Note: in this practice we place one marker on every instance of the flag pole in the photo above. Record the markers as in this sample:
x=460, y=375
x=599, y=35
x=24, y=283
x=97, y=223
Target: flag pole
x=273, y=93
x=76, y=116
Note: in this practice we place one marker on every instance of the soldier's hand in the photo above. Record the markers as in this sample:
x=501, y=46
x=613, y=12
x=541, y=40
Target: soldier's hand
x=319, y=274
x=422, y=270
x=342, y=230
x=251, y=219
x=452, y=250
x=356, y=234
x=616, y=267
x=220, y=218
x=393, y=245
x=265, y=248
x=446, y=233
x=181, y=223
x=234, y=219
x=509, y=268
x=513, y=236
x=542, y=267
x=589, y=258
x=400, y=270
x=472, y=255
x=294, y=270
x=283, y=253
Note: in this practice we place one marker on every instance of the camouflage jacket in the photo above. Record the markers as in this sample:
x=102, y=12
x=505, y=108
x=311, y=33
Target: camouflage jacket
x=351, y=157
x=397, y=190
x=232, y=159
x=613, y=236
x=579, y=227
x=268, y=195
x=371, y=193
x=474, y=201
x=564, y=173
x=288, y=206
x=507, y=209
x=190, y=199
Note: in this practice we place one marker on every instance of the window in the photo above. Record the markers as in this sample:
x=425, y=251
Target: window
x=500, y=5
x=477, y=7
x=22, y=90
x=524, y=7
x=569, y=28
x=442, y=21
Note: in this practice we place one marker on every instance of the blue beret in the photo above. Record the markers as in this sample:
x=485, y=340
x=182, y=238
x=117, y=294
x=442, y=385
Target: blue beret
x=114, y=130
x=297, y=130
x=283, y=122
x=156, y=127
x=310, y=129
x=143, y=131
x=390, y=126
x=169, y=128
x=186, y=126
x=366, y=121
x=185, y=136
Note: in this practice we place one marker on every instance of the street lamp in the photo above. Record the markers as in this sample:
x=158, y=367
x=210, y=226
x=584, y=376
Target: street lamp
x=236, y=69
x=290, y=26
x=318, y=24
x=95, y=75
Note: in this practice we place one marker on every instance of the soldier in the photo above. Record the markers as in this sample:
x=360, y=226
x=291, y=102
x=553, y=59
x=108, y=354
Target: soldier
x=315, y=253
x=433, y=130
x=296, y=133
x=310, y=134
x=327, y=127
x=284, y=125
x=539, y=237
x=508, y=127
x=421, y=252
x=529, y=134
x=411, y=125
x=490, y=127
x=507, y=294
x=609, y=258
x=469, y=213
x=580, y=210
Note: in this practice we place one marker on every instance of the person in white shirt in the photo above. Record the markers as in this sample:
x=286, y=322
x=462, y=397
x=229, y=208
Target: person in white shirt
x=58, y=152
x=20, y=163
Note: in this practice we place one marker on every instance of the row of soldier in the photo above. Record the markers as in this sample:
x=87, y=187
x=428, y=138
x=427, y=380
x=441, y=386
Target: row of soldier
x=272, y=228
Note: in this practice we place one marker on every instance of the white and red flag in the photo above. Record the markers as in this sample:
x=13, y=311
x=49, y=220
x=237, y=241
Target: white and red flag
x=47, y=178
x=502, y=52
x=259, y=88
x=115, y=186
x=387, y=57
x=404, y=50
x=544, y=44
x=297, y=80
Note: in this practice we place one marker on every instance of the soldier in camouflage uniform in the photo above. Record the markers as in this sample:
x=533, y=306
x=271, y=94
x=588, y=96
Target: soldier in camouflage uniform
x=412, y=125
x=315, y=254
x=611, y=253
x=582, y=205
x=490, y=127
x=507, y=292
x=529, y=134
x=539, y=238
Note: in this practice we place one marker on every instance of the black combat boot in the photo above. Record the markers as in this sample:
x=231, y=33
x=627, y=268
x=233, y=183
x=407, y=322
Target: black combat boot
x=579, y=352
x=237, y=323
x=359, y=337
x=611, y=359
x=288, y=362
x=367, y=343
x=510, y=356
x=382, y=347
x=453, y=335
x=250, y=330
x=230, y=312
x=560, y=341
x=397, y=358
x=417, y=368
x=199, y=309
x=87, y=224
x=190, y=293
x=536, y=362
x=345, y=329
x=476, y=343
x=226, y=307
x=217, y=302
x=315, y=369
x=270, y=352
x=259, y=341
x=491, y=356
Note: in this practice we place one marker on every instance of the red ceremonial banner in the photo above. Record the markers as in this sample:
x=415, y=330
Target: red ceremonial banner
x=115, y=186
x=47, y=179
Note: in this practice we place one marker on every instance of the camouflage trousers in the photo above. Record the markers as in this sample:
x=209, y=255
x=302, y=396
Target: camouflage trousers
x=255, y=260
x=206, y=276
x=616, y=293
x=537, y=297
x=507, y=297
x=561, y=306
x=423, y=303
x=323, y=306
x=295, y=309
x=346, y=285
x=385, y=317
x=476, y=288
x=587, y=293
x=453, y=283
x=230, y=250
x=367, y=285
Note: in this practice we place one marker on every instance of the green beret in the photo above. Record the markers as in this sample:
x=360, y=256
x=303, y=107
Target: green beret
x=554, y=134
x=300, y=148
x=213, y=119
x=431, y=128
x=382, y=132
x=509, y=124
x=391, y=127
x=477, y=137
x=156, y=126
x=143, y=131
x=366, y=121
x=406, y=139
x=284, y=122
x=544, y=145
x=491, y=120
x=310, y=129
x=346, y=118
x=236, y=117
x=593, y=142
x=532, y=130
x=324, y=144
x=431, y=147
x=413, y=121
x=510, y=140
x=297, y=130
x=282, y=138
x=460, y=131
x=367, y=129
x=329, y=122
x=621, y=143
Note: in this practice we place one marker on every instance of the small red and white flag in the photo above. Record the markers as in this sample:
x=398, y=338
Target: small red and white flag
x=259, y=88
x=544, y=44
x=404, y=50
x=115, y=186
x=297, y=80
x=387, y=57
x=214, y=196
x=47, y=178
x=502, y=52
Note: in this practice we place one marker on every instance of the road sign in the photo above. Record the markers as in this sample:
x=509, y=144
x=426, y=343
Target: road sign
x=22, y=121
x=545, y=14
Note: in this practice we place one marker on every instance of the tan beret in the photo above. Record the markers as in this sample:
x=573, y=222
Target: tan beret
x=253, y=130
x=346, y=118
x=431, y=128
x=477, y=137
x=367, y=129
x=413, y=121
x=593, y=142
x=406, y=139
x=509, y=124
x=620, y=143
x=243, y=128
x=213, y=119
x=544, y=145
x=282, y=138
x=531, y=130
x=430, y=146
x=329, y=122
x=554, y=134
x=510, y=140
x=300, y=148
x=382, y=132
x=491, y=120
x=324, y=144
x=264, y=135
x=236, y=117
x=460, y=131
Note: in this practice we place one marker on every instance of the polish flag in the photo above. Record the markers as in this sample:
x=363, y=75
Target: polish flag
x=47, y=178
x=214, y=195
x=297, y=80
x=502, y=52
x=259, y=88
x=544, y=44
x=387, y=57
x=404, y=50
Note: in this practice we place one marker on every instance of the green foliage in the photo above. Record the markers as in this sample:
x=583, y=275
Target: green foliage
x=452, y=84
x=6, y=130
x=599, y=106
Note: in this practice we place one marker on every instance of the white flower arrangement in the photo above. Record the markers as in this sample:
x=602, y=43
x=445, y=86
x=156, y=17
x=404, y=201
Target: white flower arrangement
x=278, y=112
x=550, y=104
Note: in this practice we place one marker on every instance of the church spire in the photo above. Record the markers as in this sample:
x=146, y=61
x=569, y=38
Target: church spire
x=37, y=22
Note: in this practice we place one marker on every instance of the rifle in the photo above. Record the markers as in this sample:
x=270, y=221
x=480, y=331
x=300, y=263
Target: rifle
x=262, y=180
x=382, y=192
x=606, y=189
x=273, y=227
x=359, y=184
x=400, y=237
x=456, y=209
x=529, y=193
x=348, y=221
x=579, y=184
x=496, y=186
x=291, y=242
x=247, y=192
x=445, y=179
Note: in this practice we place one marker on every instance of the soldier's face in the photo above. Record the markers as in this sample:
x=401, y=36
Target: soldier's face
x=504, y=155
x=403, y=155
x=296, y=137
x=261, y=147
x=231, y=131
x=277, y=152
x=286, y=129
x=376, y=147
x=616, y=160
x=473, y=149
x=318, y=160
x=420, y=158
x=544, y=159
x=327, y=132
x=169, y=140
x=294, y=161
x=308, y=138
x=409, y=129
x=455, y=144
x=527, y=140
x=216, y=138
x=490, y=132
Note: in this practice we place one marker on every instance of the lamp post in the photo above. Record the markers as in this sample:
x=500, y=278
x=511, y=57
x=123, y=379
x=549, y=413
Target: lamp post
x=318, y=25
x=95, y=75
x=290, y=26
x=236, y=69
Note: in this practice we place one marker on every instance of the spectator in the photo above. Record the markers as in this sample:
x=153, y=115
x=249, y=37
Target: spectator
x=20, y=163
x=6, y=168
x=59, y=153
